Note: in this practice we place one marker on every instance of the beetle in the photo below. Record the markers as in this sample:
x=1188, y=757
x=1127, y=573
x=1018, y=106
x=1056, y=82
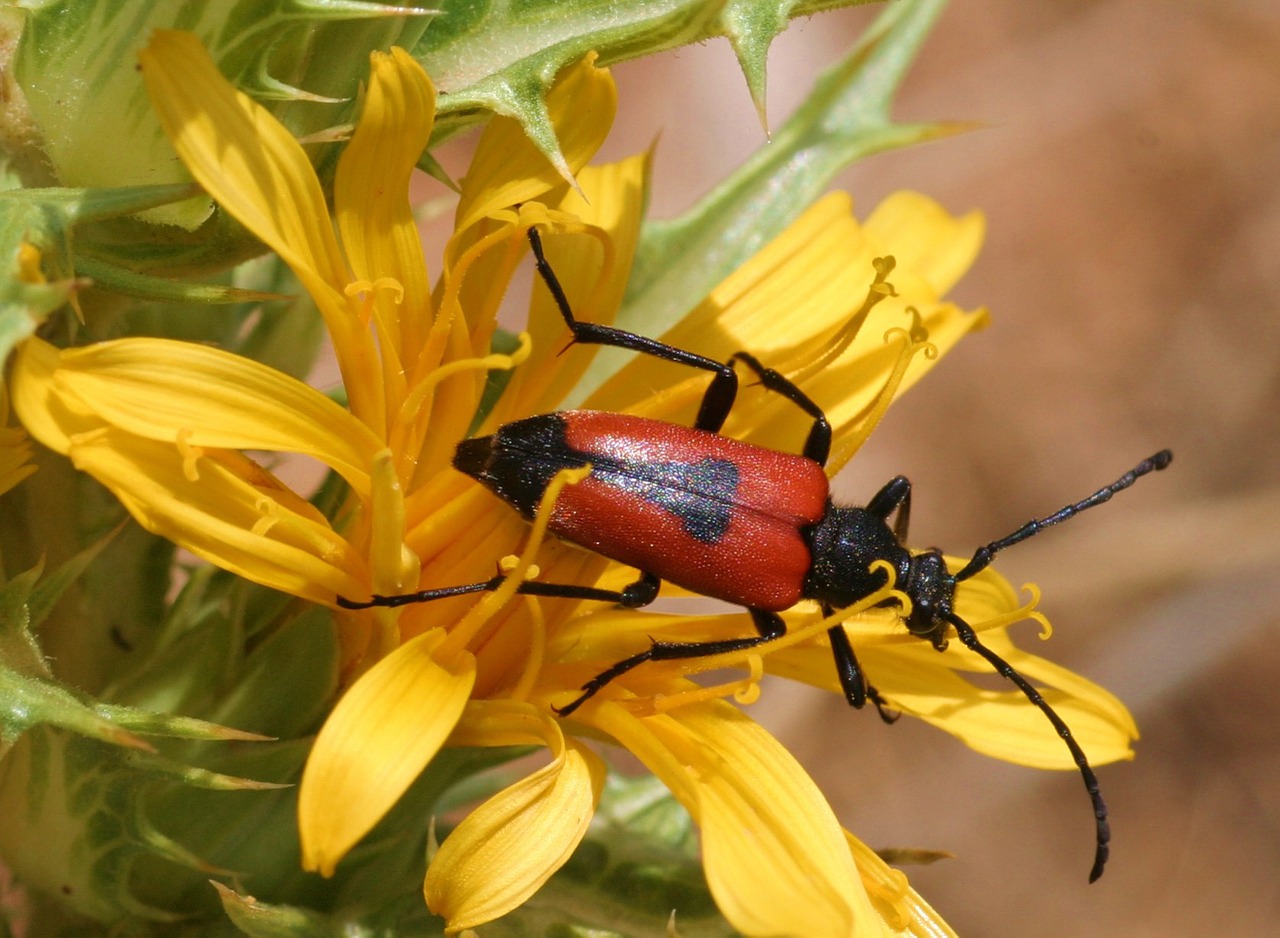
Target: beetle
x=734, y=521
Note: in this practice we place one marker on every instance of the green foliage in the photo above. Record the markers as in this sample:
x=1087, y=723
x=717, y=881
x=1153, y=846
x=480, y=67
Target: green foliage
x=500, y=58
x=153, y=716
x=84, y=119
x=50, y=220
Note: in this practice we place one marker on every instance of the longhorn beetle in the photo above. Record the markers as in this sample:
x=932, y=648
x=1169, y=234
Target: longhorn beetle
x=737, y=522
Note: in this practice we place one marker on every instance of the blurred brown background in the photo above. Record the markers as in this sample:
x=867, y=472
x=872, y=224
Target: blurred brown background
x=1130, y=172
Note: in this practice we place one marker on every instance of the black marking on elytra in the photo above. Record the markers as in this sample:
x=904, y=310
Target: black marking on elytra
x=519, y=461
x=700, y=494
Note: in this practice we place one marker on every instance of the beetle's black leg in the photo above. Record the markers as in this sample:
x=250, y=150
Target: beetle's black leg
x=1101, y=826
x=720, y=395
x=856, y=689
x=896, y=495
x=768, y=624
x=982, y=557
x=818, y=444
x=640, y=593
x=887, y=714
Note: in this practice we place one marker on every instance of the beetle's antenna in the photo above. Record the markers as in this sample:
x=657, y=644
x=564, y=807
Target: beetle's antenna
x=1101, y=827
x=983, y=555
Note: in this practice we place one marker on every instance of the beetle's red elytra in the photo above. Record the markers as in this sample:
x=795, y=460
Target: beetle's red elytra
x=713, y=515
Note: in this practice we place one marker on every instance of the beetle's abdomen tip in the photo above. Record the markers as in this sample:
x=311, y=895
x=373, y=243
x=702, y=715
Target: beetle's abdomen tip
x=472, y=456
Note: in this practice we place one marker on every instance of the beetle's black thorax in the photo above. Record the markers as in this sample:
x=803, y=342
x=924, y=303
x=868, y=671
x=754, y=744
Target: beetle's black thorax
x=848, y=540
x=844, y=545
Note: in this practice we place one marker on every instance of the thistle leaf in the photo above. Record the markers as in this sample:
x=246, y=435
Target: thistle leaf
x=305, y=61
x=36, y=236
x=264, y=920
x=845, y=118
x=45, y=593
x=501, y=58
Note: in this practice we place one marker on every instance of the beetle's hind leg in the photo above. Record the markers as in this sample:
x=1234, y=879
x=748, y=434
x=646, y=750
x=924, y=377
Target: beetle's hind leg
x=640, y=593
x=768, y=624
x=818, y=444
x=720, y=395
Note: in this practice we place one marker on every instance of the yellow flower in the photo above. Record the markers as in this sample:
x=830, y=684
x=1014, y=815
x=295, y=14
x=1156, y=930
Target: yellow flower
x=167, y=426
x=15, y=449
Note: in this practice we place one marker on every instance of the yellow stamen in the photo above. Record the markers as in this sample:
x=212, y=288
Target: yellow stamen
x=537, y=648
x=265, y=522
x=890, y=898
x=1026, y=611
x=871, y=416
x=549, y=221
x=419, y=397
x=392, y=563
x=29, y=269
x=745, y=690
x=750, y=692
x=365, y=291
x=880, y=289
x=455, y=275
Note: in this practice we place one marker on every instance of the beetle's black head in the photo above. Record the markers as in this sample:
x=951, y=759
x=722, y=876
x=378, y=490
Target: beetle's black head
x=847, y=541
x=931, y=589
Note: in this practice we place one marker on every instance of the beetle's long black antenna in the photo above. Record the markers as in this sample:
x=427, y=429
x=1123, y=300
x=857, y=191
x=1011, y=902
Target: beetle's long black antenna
x=1006, y=670
x=982, y=557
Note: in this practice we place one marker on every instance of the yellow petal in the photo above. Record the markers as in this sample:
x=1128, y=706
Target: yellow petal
x=15, y=458
x=226, y=509
x=216, y=503
x=1004, y=724
x=50, y=417
x=1101, y=701
x=803, y=284
x=787, y=304
x=938, y=687
x=1001, y=723
x=395, y=567
x=928, y=241
x=163, y=389
x=377, y=740
x=15, y=448
x=505, y=849
x=775, y=857
x=794, y=293
x=379, y=233
x=508, y=169
x=242, y=156
x=593, y=280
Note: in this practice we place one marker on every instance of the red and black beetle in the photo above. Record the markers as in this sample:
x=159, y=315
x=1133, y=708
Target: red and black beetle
x=734, y=521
